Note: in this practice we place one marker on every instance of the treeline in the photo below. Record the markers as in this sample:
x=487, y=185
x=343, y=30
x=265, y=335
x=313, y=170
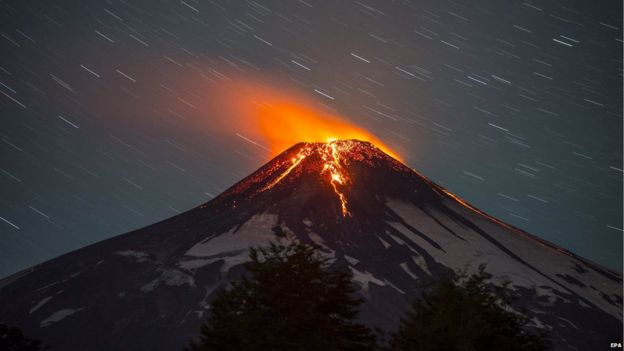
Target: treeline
x=12, y=339
x=292, y=300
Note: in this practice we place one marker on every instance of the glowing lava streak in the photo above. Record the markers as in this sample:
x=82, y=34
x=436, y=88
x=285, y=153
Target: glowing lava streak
x=332, y=163
x=303, y=153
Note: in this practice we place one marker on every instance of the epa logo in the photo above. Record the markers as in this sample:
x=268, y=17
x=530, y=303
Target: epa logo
x=616, y=345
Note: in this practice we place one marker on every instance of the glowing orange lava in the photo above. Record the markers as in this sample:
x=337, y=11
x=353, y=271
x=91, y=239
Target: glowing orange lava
x=331, y=153
x=303, y=153
x=275, y=119
x=332, y=165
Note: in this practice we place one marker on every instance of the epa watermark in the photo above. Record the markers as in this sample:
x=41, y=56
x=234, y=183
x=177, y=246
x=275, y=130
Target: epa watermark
x=616, y=345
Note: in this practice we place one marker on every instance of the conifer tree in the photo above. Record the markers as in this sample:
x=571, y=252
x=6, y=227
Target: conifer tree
x=463, y=313
x=12, y=339
x=291, y=300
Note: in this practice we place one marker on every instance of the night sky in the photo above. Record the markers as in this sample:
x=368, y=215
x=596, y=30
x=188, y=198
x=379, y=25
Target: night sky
x=110, y=116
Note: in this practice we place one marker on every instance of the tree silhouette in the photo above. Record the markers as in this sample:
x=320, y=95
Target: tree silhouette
x=465, y=314
x=12, y=339
x=291, y=301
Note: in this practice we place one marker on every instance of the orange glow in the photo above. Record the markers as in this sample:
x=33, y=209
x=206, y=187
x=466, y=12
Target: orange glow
x=331, y=154
x=303, y=153
x=333, y=165
x=278, y=119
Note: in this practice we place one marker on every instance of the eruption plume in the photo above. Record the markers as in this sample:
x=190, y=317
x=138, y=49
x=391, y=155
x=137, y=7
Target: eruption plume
x=276, y=119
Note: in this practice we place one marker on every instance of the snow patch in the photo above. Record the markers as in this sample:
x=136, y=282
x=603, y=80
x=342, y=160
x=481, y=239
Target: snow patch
x=47, y=286
x=353, y=261
x=174, y=277
x=231, y=261
x=170, y=277
x=569, y=322
x=255, y=232
x=228, y=262
x=394, y=286
x=545, y=295
x=194, y=264
x=39, y=304
x=420, y=262
x=139, y=256
x=384, y=243
x=415, y=239
x=316, y=239
x=397, y=239
x=536, y=323
x=406, y=269
x=151, y=286
x=209, y=290
x=58, y=316
x=327, y=252
x=365, y=278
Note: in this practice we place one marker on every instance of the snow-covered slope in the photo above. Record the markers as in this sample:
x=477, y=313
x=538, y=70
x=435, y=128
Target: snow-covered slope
x=395, y=230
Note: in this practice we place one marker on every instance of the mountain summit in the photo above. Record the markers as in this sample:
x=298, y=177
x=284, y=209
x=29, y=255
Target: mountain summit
x=340, y=168
x=150, y=289
x=332, y=161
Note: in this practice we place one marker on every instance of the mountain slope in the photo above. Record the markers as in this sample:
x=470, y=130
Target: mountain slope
x=151, y=289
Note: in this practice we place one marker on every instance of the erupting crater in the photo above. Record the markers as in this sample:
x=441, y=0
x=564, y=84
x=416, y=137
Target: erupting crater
x=329, y=160
x=340, y=169
x=333, y=154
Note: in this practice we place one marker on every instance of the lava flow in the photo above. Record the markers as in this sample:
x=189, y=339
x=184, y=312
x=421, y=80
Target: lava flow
x=332, y=156
x=332, y=165
x=303, y=153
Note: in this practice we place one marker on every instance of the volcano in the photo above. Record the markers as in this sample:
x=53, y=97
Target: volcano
x=150, y=289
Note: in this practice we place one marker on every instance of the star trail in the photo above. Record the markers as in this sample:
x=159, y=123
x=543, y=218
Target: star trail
x=111, y=114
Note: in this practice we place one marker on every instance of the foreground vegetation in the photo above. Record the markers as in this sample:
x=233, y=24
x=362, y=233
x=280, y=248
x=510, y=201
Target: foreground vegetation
x=292, y=300
x=12, y=339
